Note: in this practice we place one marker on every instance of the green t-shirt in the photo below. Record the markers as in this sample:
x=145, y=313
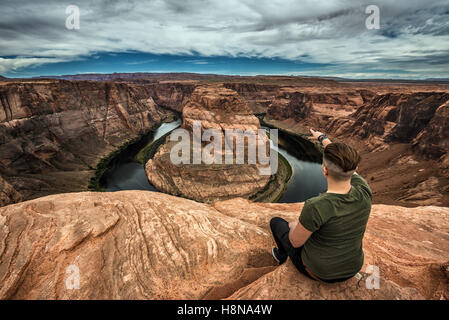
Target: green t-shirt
x=338, y=222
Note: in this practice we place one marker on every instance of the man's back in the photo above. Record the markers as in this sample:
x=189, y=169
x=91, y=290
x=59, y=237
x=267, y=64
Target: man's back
x=338, y=222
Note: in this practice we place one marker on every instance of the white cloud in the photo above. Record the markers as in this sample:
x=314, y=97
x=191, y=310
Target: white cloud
x=312, y=31
x=7, y=65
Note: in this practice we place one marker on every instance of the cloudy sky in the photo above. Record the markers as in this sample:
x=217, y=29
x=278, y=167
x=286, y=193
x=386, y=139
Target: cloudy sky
x=246, y=37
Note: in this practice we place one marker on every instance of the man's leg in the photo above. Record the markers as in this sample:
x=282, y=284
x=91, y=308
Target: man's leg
x=280, y=229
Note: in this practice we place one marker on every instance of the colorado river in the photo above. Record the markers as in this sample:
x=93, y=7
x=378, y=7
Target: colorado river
x=130, y=174
x=307, y=178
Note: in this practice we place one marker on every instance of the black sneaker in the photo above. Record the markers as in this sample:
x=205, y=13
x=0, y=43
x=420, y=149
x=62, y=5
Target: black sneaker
x=277, y=256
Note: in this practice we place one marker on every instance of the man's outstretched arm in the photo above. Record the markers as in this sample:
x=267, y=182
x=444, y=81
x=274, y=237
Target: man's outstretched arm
x=317, y=134
x=324, y=142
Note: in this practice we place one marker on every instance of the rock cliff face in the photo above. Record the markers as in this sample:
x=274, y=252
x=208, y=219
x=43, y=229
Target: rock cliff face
x=146, y=245
x=8, y=194
x=411, y=116
x=421, y=121
x=401, y=131
x=433, y=139
x=214, y=107
x=399, y=117
x=173, y=96
x=290, y=105
x=258, y=96
x=53, y=132
x=296, y=108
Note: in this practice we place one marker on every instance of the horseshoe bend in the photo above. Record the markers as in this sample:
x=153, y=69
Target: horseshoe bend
x=222, y=110
x=202, y=231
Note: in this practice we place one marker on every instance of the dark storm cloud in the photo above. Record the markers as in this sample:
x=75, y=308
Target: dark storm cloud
x=327, y=32
x=26, y=26
x=440, y=58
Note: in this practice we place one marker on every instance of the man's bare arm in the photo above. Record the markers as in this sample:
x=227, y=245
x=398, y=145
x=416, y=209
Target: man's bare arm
x=325, y=142
x=316, y=134
x=298, y=235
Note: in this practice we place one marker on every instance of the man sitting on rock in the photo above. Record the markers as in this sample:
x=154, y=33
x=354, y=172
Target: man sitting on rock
x=326, y=244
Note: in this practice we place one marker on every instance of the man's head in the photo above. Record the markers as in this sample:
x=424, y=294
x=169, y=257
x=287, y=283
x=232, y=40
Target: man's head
x=340, y=161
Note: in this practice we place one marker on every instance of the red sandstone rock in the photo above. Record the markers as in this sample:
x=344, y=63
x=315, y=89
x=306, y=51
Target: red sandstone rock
x=8, y=194
x=409, y=245
x=214, y=107
x=398, y=117
x=433, y=140
x=126, y=245
x=412, y=115
x=147, y=245
x=54, y=132
x=290, y=105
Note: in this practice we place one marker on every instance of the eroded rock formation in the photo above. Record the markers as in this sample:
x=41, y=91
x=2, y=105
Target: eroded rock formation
x=54, y=132
x=214, y=107
x=433, y=140
x=147, y=245
x=399, y=117
x=400, y=131
x=420, y=121
x=8, y=194
x=126, y=245
x=290, y=105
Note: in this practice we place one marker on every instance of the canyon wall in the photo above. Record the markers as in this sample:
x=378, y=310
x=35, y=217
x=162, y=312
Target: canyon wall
x=53, y=132
x=8, y=194
x=401, y=117
x=149, y=245
x=290, y=105
x=401, y=133
x=258, y=96
x=417, y=120
x=170, y=95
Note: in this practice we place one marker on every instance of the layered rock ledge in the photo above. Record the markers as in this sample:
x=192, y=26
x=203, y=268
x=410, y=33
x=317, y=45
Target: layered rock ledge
x=147, y=245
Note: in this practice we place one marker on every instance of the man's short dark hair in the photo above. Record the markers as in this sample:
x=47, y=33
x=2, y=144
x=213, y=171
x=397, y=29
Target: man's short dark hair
x=340, y=160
